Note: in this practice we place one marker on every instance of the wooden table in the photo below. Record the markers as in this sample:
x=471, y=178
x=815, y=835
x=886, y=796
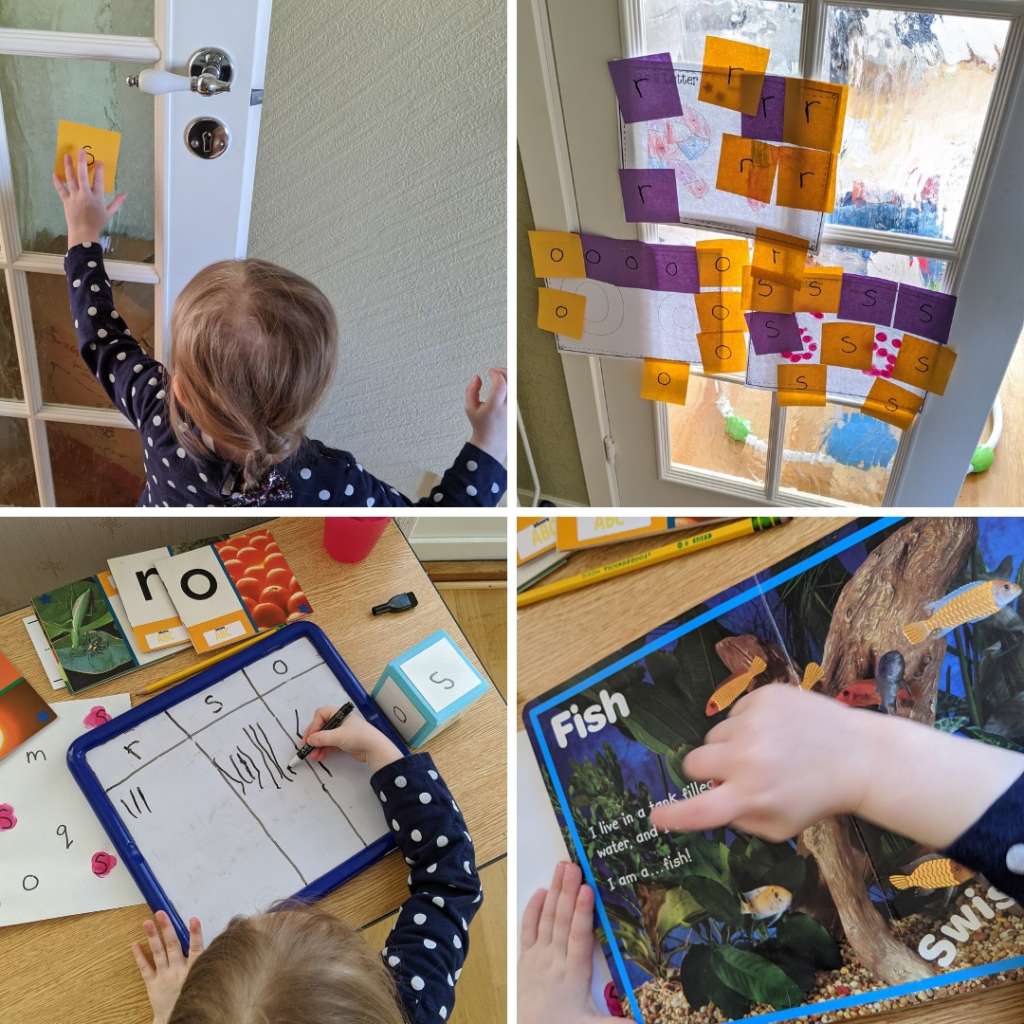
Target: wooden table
x=79, y=970
x=567, y=634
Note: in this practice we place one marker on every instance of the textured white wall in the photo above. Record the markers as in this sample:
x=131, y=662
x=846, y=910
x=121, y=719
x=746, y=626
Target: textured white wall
x=381, y=177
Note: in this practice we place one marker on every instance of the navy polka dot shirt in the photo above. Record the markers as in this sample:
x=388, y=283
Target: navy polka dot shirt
x=314, y=476
x=430, y=940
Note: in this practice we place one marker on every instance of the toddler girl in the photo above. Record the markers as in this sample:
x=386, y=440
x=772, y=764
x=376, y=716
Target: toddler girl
x=254, y=352
x=301, y=964
x=784, y=759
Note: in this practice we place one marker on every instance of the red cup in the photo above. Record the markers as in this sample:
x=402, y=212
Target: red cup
x=352, y=538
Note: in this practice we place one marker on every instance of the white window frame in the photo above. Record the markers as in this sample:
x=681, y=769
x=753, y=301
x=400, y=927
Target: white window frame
x=913, y=479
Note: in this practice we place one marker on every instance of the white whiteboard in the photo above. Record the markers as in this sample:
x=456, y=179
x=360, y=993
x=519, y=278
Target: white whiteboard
x=203, y=789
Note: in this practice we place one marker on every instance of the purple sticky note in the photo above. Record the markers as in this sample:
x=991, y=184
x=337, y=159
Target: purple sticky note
x=646, y=87
x=675, y=268
x=628, y=264
x=768, y=122
x=774, y=332
x=867, y=299
x=925, y=313
x=650, y=195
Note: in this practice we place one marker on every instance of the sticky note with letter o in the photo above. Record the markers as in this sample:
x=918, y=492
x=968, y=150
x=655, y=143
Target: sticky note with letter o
x=723, y=352
x=561, y=312
x=665, y=381
x=720, y=311
x=557, y=254
x=924, y=364
x=802, y=384
x=99, y=145
x=720, y=262
x=892, y=404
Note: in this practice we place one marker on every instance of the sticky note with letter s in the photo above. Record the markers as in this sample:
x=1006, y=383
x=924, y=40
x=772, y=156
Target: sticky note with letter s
x=98, y=143
x=924, y=364
x=802, y=384
x=892, y=404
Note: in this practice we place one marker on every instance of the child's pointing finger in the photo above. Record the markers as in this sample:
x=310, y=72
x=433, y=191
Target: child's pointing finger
x=711, y=809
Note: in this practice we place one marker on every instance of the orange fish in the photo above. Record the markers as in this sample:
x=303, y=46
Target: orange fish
x=864, y=694
x=733, y=687
x=970, y=603
x=940, y=873
x=812, y=675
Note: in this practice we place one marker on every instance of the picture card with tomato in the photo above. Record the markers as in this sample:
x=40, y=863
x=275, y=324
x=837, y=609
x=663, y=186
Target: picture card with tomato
x=22, y=711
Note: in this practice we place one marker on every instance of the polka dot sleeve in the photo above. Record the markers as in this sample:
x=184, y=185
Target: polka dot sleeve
x=994, y=844
x=429, y=943
x=132, y=379
x=474, y=478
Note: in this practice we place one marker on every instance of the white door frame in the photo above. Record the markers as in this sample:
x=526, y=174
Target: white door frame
x=938, y=448
x=211, y=199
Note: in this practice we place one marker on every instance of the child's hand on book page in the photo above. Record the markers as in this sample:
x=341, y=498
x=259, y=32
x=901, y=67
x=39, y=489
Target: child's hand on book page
x=85, y=206
x=165, y=974
x=355, y=736
x=556, y=957
x=489, y=419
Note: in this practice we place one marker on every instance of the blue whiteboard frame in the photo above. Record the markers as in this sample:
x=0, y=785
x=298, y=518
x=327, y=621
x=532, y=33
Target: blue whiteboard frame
x=119, y=833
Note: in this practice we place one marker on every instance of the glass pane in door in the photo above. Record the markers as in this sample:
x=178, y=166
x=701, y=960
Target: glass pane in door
x=64, y=376
x=38, y=92
x=95, y=465
x=920, y=85
x=119, y=17
x=17, y=473
x=10, y=376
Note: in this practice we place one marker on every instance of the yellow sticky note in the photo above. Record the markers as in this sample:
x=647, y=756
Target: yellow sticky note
x=727, y=65
x=763, y=296
x=724, y=352
x=779, y=257
x=814, y=114
x=849, y=345
x=802, y=385
x=98, y=143
x=665, y=381
x=747, y=167
x=891, y=403
x=821, y=290
x=924, y=364
x=720, y=262
x=561, y=312
x=557, y=254
x=807, y=179
x=720, y=311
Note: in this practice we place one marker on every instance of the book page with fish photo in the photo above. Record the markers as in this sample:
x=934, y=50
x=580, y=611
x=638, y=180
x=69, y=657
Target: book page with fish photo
x=918, y=618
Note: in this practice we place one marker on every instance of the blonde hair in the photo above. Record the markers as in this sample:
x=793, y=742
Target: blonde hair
x=294, y=964
x=255, y=348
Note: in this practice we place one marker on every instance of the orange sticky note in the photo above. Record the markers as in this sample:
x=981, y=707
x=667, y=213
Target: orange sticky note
x=561, y=312
x=814, y=114
x=720, y=311
x=665, y=381
x=720, y=262
x=891, y=403
x=763, y=296
x=820, y=291
x=807, y=179
x=98, y=143
x=924, y=364
x=747, y=167
x=727, y=65
x=849, y=345
x=802, y=385
x=557, y=254
x=724, y=352
x=779, y=257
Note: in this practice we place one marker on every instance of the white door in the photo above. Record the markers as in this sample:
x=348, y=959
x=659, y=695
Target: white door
x=928, y=186
x=60, y=441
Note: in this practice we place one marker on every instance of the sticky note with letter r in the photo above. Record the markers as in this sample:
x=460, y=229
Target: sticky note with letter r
x=727, y=66
x=557, y=254
x=814, y=114
x=99, y=145
x=802, y=385
x=892, y=404
x=746, y=167
x=561, y=312
x=807, y=179
x=665, y=380
x=780, y=257
x=924, y=364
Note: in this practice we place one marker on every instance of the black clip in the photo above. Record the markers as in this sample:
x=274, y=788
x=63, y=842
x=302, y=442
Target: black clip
x=399, y=603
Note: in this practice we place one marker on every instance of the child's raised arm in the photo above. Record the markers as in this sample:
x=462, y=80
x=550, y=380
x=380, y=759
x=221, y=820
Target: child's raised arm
x=786, y=758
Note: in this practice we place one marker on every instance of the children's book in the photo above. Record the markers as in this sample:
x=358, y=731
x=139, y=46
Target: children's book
x=845, y=919
x=154, y=622
x=577, y=532
x=535, y=536
x=233, y=589
x=22, y=711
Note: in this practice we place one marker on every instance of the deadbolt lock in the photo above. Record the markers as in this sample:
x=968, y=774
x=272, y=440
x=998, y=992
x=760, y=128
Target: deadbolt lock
x=207, y=137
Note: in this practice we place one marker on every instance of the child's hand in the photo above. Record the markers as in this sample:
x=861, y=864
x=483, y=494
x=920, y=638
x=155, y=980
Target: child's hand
x=355, y=736
x=783, y=759
x=489, y=419
x=555, y=961
x=85, y=207
x=166, y=974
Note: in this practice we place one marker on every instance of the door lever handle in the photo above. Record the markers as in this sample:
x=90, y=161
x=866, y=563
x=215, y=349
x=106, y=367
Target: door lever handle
x=209, y=72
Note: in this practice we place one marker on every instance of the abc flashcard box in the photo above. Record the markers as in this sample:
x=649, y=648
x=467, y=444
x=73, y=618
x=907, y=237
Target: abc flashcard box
x=846, y=918
x=425, y=689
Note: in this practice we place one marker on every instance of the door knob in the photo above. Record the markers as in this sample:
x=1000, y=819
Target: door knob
x=209, y=72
